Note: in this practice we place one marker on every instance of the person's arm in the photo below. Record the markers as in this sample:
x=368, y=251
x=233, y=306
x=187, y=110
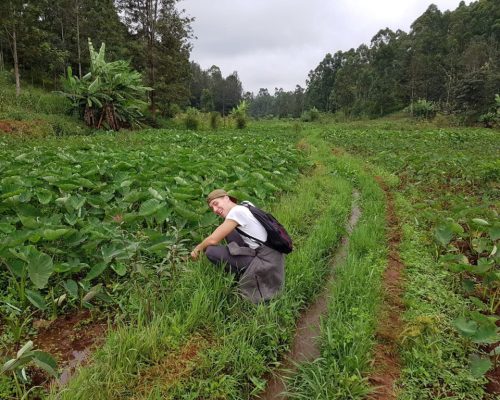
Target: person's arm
x=220, y=233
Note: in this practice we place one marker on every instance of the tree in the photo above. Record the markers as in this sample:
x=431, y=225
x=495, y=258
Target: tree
x=321, y=80
x=262, y=105
x=11, y=15
x=163, y=33
x=233, y=90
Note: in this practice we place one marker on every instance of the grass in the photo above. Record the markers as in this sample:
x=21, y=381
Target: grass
x=36, y=112
x=434, y=355
x=442, y=173
x=347, y=333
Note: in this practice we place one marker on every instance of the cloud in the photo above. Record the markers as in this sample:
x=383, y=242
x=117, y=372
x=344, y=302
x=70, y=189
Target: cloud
x=275, y=43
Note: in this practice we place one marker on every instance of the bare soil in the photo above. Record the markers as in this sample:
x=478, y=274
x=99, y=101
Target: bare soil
x=14, y=127
x=304, y=344
x=174, y=367
x=386, y=363
x=70, y=340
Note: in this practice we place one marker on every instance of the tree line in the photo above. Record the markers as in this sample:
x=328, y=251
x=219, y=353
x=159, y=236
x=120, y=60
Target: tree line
x=450, y=58
x=41, y=38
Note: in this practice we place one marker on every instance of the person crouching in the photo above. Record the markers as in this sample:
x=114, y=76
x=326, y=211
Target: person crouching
x=260, y=270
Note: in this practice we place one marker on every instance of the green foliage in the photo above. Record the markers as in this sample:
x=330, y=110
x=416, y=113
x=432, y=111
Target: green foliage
x=240, y=115
x=422, y=109
x=239, y=342
x=214, y=120
x=492, y=118
x=92, y=211
x=448, y=177
x=446, y=58
x=109, y=96
x=192, y=119
x=310, y=115
x=210, y=91
x=17, y=366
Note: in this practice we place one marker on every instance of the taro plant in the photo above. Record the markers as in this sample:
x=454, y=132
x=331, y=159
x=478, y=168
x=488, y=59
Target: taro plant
x=109, y=96
x=26, y=263
x=482, y=330
x=17, y=367
x=471, y=251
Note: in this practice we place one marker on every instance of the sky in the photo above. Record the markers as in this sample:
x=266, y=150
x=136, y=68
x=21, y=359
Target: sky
x=275, y=43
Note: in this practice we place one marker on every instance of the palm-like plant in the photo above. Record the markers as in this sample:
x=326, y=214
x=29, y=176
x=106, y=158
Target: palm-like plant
x=109, y=95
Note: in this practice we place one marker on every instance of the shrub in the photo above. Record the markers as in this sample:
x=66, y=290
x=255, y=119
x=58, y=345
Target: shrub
x=489, y=119
x=214, y=120
x=422, y=109
x=240, y=114
x=192, y=119
x=310, y=115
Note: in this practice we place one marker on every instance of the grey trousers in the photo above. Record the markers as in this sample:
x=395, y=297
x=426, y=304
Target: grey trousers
x=220, y=255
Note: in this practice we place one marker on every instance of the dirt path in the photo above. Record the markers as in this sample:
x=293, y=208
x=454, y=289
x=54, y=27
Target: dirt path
x=386, y=364
x=304, y=345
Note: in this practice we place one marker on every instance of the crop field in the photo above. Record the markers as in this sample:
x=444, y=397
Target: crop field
x=105, y=223
x=73, y=210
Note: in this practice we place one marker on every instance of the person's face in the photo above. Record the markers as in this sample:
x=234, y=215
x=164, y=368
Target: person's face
x=221, y=206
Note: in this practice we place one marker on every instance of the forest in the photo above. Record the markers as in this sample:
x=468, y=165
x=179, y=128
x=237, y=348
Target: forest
x=448, y=62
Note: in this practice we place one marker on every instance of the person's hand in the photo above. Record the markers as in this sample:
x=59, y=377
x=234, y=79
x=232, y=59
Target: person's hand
x=195, y=253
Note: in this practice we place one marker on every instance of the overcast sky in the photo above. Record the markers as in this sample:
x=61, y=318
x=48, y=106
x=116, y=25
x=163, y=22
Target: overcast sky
x=275, y=43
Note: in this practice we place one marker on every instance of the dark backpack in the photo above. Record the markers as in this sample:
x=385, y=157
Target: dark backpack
x=277, y=236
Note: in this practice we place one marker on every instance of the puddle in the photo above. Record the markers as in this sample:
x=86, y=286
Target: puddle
x=78, y=357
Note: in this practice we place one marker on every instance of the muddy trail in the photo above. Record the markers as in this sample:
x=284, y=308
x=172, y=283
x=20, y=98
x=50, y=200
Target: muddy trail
x=304, y=346
x=386, y=363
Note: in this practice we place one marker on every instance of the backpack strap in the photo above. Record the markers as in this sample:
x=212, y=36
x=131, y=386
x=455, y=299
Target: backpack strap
x=249, y=236
x=247, y=205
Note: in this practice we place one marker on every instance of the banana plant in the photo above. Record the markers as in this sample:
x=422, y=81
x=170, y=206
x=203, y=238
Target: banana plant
x=109, y=96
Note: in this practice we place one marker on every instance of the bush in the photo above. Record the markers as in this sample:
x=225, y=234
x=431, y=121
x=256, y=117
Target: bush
x=489, y=119
x=310, y=115
x=240, y=114
x=214, y=120
x=422, y=109
x=192, y=119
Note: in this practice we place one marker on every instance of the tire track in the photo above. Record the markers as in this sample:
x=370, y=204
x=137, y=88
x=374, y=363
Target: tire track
x=386, y=363
x=304, y=346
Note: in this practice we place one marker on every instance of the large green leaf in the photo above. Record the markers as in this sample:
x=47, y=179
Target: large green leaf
x=443, y=234
x=479, y=365
x=44, y=196
x=119, y=268
x=46, y=362
x=495, y=232
x=149, y=207
x=54, y=234
x=36, y=299
x=96, y=270
x=40, y=267
x=466, y=327
x=71, y=287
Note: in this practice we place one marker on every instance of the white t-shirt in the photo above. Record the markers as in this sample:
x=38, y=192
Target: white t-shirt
x=248, y=224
